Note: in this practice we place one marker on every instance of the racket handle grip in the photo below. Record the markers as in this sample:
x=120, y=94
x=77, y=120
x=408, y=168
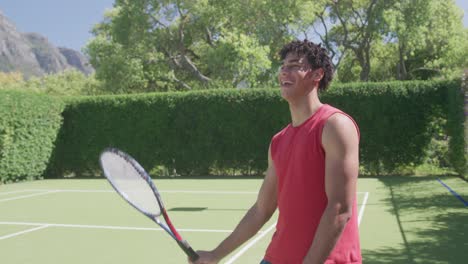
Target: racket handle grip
x=188, y=250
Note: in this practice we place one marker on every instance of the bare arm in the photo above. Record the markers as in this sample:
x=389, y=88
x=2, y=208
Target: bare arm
x=341, y=143
x=251, y=223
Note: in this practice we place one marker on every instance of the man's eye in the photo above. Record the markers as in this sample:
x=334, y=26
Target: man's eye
x=291, y=67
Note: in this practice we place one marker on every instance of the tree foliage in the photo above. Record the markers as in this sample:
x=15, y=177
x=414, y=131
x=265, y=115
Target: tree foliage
x=411, y=39
x=429, y=35
x=163, y=45
x=154, y=45
x=66, y=83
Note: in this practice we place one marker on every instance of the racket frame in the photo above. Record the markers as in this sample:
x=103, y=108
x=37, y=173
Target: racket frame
x=167, y=226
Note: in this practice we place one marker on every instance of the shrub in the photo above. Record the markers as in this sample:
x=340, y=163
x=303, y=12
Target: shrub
x=29, y=123
x=203, y=132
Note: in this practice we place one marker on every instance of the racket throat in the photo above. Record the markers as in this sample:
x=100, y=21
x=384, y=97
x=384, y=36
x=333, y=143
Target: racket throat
x=169, y=224
x=183, y=244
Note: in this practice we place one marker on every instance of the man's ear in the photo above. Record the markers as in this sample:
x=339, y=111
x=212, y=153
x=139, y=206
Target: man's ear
x=316, y=75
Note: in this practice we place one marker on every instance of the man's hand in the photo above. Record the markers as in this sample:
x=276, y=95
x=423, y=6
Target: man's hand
x=206, y=257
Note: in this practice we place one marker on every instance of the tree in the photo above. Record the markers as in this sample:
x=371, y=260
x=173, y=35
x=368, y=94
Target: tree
x=359, y=26
x=412, y=39
x=161, y=45
x=65, y=83
x=148, y=45
x=11, y=80
x=429, y=35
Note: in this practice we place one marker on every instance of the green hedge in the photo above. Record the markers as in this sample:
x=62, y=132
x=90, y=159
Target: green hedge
x=29, y=124
x=190, y=133
x=395, y=120
x=203, y=132
x=399, y=119
x=456, y=130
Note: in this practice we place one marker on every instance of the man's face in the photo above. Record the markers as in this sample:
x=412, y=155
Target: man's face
x=292, y=77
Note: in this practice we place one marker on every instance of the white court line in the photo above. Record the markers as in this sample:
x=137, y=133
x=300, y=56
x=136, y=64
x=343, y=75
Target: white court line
x=208, y=192
x=27, y=196
x=259, y=236
x=47, y=191
x=24, y=232
x=72, y=190
x=112, y=191
x=161, y=191
x=112, y=227
x=12, y=192
x=363, y=206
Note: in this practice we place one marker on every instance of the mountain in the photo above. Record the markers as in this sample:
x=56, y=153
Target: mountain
x=33, y=55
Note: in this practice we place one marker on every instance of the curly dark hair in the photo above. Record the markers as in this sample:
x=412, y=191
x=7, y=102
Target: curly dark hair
x=316, y=56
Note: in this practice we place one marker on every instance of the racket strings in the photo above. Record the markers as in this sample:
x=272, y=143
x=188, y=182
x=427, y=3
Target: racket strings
x=127, y=179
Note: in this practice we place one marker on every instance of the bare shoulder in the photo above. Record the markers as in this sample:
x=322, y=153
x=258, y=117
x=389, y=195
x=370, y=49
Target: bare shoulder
x=339, y=128
x=339, y=121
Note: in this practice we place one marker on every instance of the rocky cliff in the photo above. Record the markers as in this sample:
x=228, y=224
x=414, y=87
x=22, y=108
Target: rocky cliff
x=33, y=55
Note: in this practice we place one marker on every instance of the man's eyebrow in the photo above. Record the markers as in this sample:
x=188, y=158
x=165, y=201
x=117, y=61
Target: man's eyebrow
x=291, y=61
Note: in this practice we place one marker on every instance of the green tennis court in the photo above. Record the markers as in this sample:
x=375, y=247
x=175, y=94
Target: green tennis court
x=402, y=220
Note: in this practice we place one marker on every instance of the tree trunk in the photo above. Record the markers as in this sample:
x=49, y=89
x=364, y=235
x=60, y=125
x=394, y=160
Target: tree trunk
x=364, y=61
x=190, y=67
x=402, y=72
x=364, y=76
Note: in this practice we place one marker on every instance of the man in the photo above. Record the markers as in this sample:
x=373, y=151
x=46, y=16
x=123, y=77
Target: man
x=312, y=173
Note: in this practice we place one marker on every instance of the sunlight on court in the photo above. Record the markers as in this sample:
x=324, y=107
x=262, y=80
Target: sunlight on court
x=88, y=214
x=86, y=221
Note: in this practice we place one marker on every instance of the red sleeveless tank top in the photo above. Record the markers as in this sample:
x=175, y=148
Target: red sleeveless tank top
x=299, y=160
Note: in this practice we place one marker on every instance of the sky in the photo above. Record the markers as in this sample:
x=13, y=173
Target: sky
x=67, y=23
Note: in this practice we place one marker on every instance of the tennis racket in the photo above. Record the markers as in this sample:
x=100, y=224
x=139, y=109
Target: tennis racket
x=134, y=184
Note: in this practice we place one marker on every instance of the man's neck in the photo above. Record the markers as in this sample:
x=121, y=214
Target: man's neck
x=304, y=109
